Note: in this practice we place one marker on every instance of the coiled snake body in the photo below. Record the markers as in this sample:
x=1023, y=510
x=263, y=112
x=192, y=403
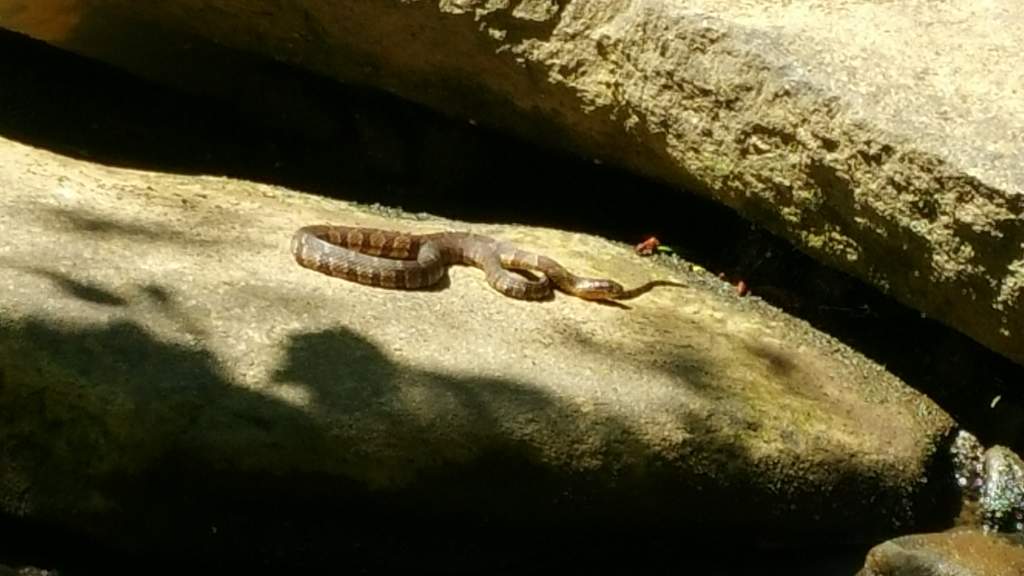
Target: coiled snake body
x=414, y=261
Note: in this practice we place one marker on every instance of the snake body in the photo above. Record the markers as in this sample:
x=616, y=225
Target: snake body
x=393, y=259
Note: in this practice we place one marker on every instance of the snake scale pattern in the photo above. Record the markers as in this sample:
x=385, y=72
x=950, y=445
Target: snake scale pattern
x=399, y=260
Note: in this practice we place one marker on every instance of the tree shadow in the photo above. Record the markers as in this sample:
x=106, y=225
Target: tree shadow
x=118, y=444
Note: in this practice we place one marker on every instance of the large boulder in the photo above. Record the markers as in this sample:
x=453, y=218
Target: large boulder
x=173, y=383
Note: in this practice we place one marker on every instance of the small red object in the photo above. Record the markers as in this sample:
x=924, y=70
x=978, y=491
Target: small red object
x=647, y=247
x=742, y=289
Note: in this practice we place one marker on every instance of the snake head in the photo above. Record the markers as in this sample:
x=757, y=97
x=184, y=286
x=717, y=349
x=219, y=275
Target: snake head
x=598, y=289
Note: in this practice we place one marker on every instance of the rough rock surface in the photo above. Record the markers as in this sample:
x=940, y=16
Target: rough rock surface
x=959, y=552
x=169, y=375
x=855, y=129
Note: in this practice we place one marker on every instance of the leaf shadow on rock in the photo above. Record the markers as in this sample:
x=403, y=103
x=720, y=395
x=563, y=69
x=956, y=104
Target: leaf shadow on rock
x=78, y=289
x=98, y=227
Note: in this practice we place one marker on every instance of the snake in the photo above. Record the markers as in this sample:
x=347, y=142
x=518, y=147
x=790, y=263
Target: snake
x=393, y=259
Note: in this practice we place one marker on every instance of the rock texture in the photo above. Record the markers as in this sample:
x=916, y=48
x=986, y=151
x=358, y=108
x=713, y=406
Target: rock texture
x=171, y=381
x=855, y=129
x=960, y=552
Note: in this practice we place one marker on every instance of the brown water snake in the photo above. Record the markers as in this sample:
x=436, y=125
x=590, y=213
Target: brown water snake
x=393, y=259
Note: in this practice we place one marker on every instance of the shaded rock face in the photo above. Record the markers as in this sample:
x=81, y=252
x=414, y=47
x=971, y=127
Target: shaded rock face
x=898, y=161
x=961, y=552
x=173, y=384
